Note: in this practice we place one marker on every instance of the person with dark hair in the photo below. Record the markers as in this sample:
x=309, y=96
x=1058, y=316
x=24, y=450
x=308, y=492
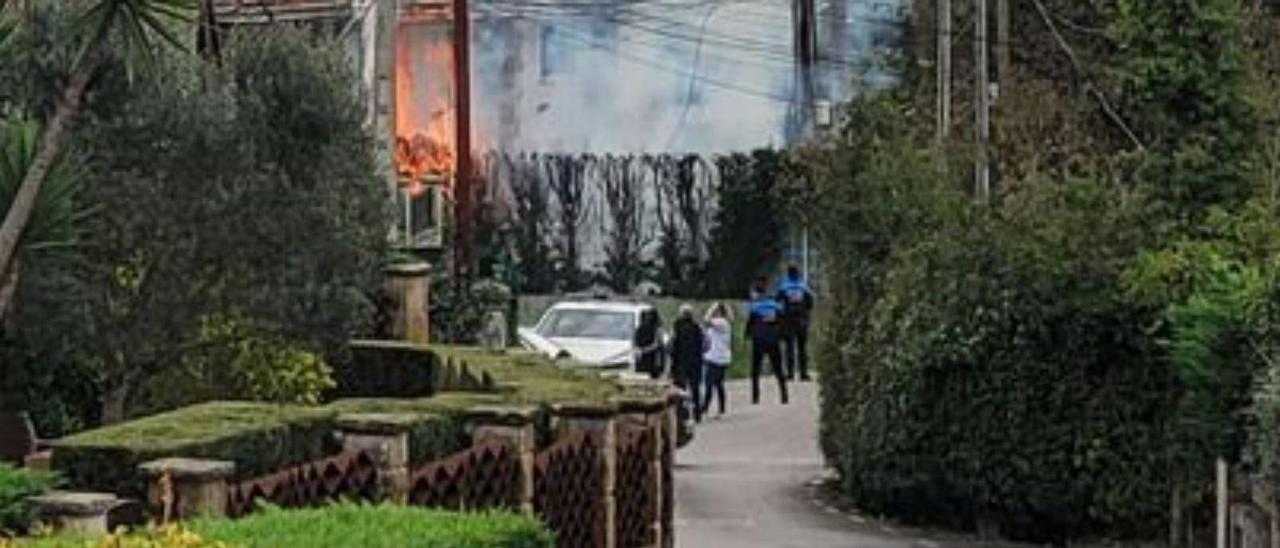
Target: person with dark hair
x=686, y=357
x=797, y=303
x=763, y=321
x=648, y=344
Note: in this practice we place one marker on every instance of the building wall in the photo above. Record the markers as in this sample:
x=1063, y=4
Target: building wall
x=660, y=76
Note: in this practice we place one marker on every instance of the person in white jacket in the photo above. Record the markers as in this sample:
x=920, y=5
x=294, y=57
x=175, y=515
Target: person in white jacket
x=719, y=354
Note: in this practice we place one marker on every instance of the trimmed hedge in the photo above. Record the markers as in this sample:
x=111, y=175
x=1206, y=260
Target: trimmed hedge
x=384, y=369
x=262, y=438
x=259, y=438
x=17, y=486
x=340, y=526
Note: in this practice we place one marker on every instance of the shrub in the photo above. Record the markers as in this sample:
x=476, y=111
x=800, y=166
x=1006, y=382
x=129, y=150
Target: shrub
x=386, y=370
x=16, y=487
x=343, y=525
x=374, y=526
x=259, y=438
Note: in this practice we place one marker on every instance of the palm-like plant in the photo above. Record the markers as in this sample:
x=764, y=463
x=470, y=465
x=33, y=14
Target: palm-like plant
x=55, y=214
x=134, y=24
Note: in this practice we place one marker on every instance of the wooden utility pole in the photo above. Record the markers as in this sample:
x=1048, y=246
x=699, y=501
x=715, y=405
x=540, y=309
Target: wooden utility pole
x=982, y=168
x=944, y=68
x=462, y=189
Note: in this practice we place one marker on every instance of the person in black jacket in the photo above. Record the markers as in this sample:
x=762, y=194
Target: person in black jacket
x=648, y=344
x=686, y=357
x=797, y=305
x=763, y=330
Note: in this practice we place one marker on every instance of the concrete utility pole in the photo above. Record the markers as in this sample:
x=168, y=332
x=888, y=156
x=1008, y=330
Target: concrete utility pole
x=944, y=68
x=1002, y=43
x=804, y=16
x=982, y=168
x=462, y=144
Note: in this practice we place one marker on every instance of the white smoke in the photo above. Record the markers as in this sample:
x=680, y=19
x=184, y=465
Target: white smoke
x=700, y=76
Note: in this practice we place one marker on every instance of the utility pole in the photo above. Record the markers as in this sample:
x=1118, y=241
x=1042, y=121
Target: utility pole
x=804, y=21
x=944, y=69
x=462, y=189
x=1002, y=43
x=982, y=168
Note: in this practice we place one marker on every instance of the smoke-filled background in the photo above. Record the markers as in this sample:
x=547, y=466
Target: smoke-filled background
x=636, y=76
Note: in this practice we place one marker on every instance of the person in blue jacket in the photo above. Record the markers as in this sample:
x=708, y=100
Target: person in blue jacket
x=763, y=329
x=797, y=304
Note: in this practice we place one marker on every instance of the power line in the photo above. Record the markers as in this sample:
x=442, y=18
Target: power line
x=781, y=53
x=688, y=101
x=578, y=36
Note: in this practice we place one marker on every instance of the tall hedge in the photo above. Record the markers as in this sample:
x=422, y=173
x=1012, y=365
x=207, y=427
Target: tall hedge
x=1003, y=379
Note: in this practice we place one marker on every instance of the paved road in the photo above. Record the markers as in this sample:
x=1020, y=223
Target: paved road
x=745, y=482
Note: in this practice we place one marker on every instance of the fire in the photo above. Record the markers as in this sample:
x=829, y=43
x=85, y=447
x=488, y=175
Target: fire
x=424, y=91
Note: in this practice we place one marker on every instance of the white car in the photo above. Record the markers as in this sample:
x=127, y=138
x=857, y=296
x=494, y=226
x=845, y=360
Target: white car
x=589, y=333
x=599, y=335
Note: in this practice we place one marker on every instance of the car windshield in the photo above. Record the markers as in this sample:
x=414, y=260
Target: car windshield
x=588, y=324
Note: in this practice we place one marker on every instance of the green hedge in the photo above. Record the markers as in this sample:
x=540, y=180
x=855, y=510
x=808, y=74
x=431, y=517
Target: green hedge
x=262, y=438
x=17, y=486
x=259, y=438
x=995, y=373
x=346, y=526
x=386, y=370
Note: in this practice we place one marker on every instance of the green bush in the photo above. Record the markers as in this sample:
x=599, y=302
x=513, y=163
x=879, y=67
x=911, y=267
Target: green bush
x=1004, y=379
x=16, y=487
x=343, y=525
x=373, y=526
x=259, y=438
x=386, y=370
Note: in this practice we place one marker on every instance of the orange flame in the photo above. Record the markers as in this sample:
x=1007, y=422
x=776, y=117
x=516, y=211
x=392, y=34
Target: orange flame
x=425, y=140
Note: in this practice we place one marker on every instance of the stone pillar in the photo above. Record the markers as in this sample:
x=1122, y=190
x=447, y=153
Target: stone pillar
x=513, y=425
x=42, y=460
x=598, y=421
x=76, y=513
x=671, y=441
x=409, y=287
x=386, y=438
x=650, y=413
x=180, y=487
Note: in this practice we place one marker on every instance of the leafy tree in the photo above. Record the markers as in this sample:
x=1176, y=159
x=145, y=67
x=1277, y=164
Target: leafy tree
x=131, y=24
x=1184, y=70
x=624, y=199
x=56, y=212
x=746, y=236
x=247, y=192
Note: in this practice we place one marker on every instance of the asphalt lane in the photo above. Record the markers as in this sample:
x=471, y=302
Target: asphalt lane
x=747, y=480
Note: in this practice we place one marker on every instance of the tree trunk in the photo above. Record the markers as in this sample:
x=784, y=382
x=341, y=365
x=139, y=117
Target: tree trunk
x=55, y=137
x=115, y=403
x=8, y=287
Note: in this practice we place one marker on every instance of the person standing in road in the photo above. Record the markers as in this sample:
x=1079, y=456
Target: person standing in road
x=797, y=303
x=686, y=357
x=719, y=335
x=648, y=344
x=763, y=330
